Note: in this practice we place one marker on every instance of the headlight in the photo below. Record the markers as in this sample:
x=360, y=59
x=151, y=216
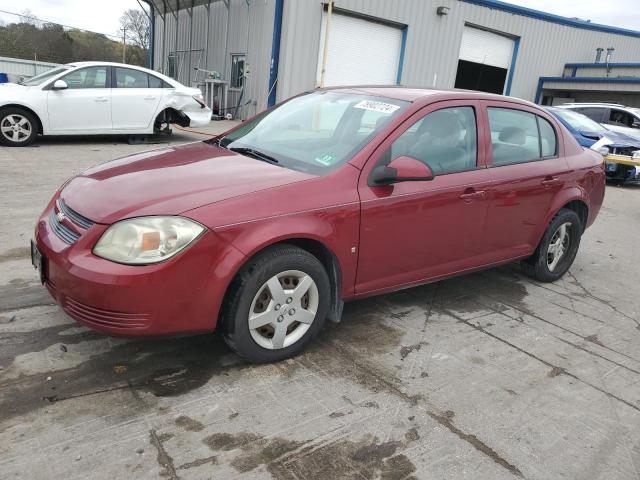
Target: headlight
x=144, y=240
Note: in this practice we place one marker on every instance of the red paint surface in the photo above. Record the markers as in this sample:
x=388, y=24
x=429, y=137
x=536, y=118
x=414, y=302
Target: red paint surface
x=404, y=234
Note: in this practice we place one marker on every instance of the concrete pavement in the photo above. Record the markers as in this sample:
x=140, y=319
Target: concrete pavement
x=490, y=375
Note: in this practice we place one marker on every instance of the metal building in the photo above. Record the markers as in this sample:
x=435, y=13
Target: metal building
x=268, y=50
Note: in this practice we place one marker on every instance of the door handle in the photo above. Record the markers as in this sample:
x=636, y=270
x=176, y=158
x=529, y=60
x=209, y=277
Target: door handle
x=100, y=99
x=549, y=182
x=149, y=98
x=471, y=194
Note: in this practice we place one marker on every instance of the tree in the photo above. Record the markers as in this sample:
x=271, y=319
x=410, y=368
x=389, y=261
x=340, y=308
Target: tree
x=135, y=26
x=27, y=16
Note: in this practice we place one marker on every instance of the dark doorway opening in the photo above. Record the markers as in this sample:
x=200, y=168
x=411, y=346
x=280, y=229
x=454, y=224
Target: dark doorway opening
x=481, y=77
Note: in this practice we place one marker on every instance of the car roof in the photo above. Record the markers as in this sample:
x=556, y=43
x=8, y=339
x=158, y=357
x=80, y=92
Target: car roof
x=115, y=64
x=413, y=94
x=125, y=65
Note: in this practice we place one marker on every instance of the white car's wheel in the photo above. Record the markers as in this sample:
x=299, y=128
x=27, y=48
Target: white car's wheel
x=18, y=128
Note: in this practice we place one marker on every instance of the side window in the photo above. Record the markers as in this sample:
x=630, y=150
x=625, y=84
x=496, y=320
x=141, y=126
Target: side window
x=155, y=82
x=514, y=136
x=129, y=78
x=548, y=141
x=90, y=77
x=620, y=118
x=237, y=70
x=445, y=140
x=594, y=114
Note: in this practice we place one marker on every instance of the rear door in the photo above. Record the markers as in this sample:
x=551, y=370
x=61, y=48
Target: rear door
x=136, y=96
x=527, y=168
x=413, y=231
x=85, y=105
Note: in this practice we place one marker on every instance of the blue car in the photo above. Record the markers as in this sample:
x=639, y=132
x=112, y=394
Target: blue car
x=587, y=132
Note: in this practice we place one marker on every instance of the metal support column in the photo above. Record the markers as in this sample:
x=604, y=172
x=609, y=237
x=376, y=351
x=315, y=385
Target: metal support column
x=226, y=41
x=175, y=50
x=206, y=36
x=190, y=11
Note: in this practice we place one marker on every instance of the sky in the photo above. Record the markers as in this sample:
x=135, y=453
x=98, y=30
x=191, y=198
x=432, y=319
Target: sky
x=103, y=15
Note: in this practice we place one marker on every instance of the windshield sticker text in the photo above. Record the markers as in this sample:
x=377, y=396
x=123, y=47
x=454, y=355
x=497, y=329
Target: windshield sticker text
x=376, y=106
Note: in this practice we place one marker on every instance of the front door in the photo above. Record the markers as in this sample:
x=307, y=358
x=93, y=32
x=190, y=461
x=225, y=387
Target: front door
x=527, y=170
x=84, y=106
x=413, y=231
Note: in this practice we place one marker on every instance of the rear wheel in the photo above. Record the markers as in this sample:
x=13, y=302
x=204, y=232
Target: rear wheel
x=278, y=303
x=557, y=249
x=18, y=128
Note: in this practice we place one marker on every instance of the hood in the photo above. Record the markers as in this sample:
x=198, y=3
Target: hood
x=170, y=181
x=12, y=91
x=619, y=139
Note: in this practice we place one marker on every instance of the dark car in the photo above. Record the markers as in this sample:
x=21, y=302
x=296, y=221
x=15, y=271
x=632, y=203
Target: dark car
x=587, y=132
x=264, y=231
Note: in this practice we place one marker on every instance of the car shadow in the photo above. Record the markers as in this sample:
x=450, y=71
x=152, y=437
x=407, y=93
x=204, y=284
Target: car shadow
x=170, y=367
x=156, y=139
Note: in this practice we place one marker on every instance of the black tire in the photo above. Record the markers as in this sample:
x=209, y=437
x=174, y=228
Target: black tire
x=246, y=286
x=537, y=266
x=31, y=126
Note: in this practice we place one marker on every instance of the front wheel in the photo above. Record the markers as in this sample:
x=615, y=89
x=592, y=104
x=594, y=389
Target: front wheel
x=557, y=249
x=276, y=305
x=18, y=128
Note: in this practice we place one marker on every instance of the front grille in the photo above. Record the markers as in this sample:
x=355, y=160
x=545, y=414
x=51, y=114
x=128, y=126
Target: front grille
x=65, y=233
x=105, y=318
x=74, y=216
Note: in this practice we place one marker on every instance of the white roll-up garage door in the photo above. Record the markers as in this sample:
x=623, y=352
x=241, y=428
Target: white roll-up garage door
x=481, y=46
x=359, y=51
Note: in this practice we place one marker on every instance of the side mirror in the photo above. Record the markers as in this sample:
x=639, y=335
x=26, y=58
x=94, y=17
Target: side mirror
x=635, y=124
x=401, y=169
x=59, y=85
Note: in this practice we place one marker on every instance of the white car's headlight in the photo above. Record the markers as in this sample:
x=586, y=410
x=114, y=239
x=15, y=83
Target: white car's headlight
x=144, y=240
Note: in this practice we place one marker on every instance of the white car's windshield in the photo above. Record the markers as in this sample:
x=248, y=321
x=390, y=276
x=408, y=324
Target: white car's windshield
x=43, y=77
x=579, y=122
x=316, y=132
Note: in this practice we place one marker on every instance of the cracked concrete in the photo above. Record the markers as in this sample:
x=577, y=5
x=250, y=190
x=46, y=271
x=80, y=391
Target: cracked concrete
x=490, y=375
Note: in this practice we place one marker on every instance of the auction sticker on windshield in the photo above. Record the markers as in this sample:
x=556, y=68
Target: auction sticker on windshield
x=376, y=106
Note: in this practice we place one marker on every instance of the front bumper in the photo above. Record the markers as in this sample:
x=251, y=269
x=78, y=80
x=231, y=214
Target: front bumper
x=179, y=296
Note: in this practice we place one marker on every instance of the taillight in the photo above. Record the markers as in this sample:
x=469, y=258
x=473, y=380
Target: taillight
x=200, y=100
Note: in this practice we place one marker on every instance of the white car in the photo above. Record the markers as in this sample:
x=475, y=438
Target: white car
x=613, y=116
x=96, y=98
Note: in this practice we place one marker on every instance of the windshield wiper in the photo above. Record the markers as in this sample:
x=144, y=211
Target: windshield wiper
x=255, y=154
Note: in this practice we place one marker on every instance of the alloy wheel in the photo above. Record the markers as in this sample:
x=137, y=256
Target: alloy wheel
x=558, y=246
x=16, y=128
x=283, y=309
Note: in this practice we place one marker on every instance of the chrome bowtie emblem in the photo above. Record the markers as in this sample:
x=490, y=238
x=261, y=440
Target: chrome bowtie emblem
x=60, y=216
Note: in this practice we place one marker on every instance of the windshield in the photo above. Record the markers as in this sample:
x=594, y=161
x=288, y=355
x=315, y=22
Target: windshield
x=315, y=132
x=578, y=121
x=43, y=77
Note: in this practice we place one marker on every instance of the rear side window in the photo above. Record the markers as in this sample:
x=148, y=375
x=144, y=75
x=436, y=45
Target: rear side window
x=548, y=142
x=129, y=78
x=518, y=136
x=155, y=82
x=594, y=113
x=620, y=118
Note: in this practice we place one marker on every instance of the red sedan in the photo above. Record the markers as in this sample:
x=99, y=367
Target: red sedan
x=336, y=194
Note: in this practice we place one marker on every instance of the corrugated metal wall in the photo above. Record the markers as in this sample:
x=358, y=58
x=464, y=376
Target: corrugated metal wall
x=24, y=68
x=252, y=37
x=433, y=42
x=432, y=47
